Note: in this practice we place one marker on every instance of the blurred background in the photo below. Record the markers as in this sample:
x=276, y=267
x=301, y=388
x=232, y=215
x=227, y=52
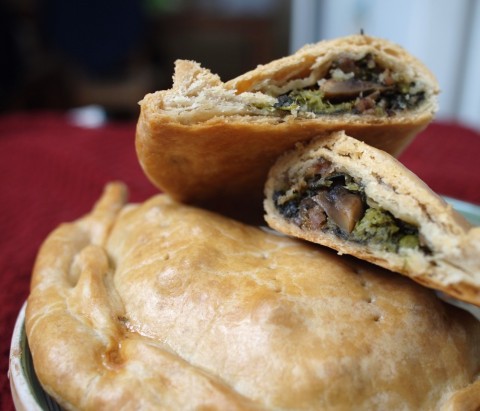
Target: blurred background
x=58, y=54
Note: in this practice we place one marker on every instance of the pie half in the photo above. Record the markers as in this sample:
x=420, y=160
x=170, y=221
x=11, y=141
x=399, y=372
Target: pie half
x=208, y=142
x=342, y=193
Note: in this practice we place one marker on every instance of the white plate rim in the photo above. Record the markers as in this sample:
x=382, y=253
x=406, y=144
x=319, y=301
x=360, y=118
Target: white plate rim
x=22, y=393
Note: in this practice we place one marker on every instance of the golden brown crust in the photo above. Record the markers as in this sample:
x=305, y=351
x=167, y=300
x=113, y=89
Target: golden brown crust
x=163, y=306
x=453, y=265
x=204, y=142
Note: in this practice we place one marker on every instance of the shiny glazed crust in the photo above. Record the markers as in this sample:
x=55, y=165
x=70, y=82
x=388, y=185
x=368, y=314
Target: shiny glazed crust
x=203, y=141
x=162, y=306
x=454, y=264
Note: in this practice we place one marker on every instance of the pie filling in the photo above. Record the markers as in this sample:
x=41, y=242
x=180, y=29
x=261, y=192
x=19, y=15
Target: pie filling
x=360, y=86
x=334, y=202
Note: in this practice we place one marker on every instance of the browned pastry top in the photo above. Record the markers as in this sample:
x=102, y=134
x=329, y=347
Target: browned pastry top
x=164, y=306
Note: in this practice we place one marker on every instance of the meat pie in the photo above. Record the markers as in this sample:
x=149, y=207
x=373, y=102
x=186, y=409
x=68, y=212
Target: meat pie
x=206, y=141
x=342, y=193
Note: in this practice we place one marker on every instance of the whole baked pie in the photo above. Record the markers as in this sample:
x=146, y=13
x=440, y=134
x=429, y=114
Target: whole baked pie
x=162, y=306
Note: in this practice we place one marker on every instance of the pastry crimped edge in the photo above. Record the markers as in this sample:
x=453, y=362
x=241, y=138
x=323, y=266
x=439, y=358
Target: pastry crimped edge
x=90, y=353
x=84, y=353
x=454, y=266
x=197, y=142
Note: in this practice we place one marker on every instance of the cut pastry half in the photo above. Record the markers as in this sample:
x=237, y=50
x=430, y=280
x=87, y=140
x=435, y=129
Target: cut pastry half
x=342, y=193
x=205, y=140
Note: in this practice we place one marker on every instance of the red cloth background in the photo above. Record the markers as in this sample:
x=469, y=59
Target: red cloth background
x=52, y=171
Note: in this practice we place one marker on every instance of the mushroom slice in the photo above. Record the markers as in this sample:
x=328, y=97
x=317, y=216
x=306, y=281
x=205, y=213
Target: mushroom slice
x=335, y=90
x=342, y=206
